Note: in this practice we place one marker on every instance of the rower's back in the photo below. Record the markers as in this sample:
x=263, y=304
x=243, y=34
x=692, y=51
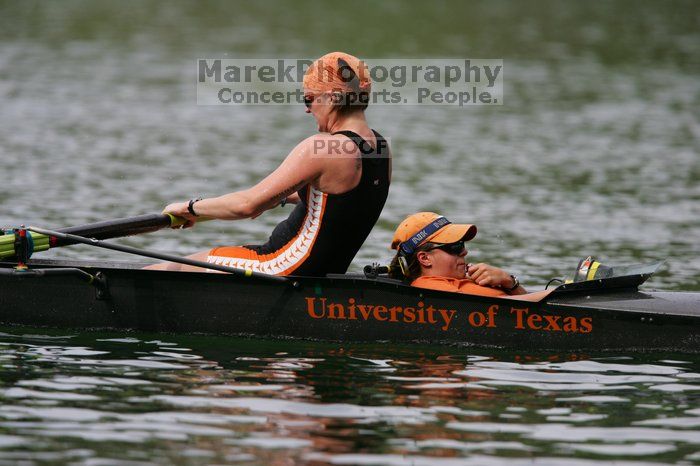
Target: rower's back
x=347, y=219
x=325, y=231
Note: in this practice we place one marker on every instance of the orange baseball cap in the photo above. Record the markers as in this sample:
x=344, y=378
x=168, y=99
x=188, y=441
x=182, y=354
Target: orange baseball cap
x=426, y=227
x=327, y=74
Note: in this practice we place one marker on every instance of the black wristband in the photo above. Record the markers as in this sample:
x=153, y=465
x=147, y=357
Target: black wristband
x=516, y=283
x=190, y=206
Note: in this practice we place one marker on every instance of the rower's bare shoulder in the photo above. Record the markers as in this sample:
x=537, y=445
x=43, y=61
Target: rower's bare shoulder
x=324, y=144
x=313, y=145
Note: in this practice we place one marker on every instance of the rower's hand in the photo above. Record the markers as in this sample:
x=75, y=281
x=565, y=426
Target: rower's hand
x=488, y=275
x=179, y=209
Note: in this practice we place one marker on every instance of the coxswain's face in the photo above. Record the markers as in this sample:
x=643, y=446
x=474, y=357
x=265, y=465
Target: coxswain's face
x=440, y=263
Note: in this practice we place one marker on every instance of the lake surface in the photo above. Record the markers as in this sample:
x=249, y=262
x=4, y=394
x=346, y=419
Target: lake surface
x=595, y=151
x=162, y=399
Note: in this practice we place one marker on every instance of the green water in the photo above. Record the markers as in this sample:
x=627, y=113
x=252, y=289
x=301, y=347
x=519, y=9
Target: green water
x=595, y=151
x=164, y=399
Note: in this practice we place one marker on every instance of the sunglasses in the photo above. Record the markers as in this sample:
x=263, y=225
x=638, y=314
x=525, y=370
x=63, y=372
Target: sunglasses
x=454, y=249
x=308, y=101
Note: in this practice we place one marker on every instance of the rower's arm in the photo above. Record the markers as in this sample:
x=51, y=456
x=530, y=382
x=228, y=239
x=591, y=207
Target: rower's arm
x=296, y=171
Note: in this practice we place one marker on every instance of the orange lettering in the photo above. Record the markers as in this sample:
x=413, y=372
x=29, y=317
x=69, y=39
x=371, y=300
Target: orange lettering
x=534, y=319
x=552, y=324
x=431, y=314
x=421, y=315
x=379, y=312
x=365, y=310
x=519, y=314
x=311, y=307
x=586, y=325
x=332, y=308
x=492, y=315
x=570, y=324
x=393, y=311
x=477, y=319
x=351, y=308
x=409, y=315
x=447, y=317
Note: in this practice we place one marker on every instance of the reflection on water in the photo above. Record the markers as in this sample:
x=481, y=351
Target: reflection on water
x=99, y=399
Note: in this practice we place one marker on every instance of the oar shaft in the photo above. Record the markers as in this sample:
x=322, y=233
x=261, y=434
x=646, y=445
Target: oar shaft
x=73, y=239
x=121, y=227
x=100, y=230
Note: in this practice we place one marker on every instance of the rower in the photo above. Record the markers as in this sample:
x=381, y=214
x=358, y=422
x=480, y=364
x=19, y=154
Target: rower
x=338, y=179
x=430, y=254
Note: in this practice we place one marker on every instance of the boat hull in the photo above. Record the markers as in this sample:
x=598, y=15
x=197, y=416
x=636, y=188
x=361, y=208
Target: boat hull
x=350, y=309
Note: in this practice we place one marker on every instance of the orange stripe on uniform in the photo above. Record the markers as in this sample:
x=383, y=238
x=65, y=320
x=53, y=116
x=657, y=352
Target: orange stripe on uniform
x=288, y=258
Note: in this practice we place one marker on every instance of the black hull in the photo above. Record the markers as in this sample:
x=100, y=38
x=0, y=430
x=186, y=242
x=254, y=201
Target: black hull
x=351, y=309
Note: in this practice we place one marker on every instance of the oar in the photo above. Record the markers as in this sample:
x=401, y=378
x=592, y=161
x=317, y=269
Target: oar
x=73, y=239
x=122, y=227
x=100, y=230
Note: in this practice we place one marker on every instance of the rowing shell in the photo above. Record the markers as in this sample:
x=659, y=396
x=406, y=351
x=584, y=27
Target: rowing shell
x=608, y=314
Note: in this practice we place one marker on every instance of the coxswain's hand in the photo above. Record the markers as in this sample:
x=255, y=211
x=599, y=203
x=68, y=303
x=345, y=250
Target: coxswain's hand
x=488, y=275
x=179, y=209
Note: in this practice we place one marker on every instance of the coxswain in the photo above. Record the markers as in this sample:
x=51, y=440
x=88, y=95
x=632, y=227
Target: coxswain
x=431, y=252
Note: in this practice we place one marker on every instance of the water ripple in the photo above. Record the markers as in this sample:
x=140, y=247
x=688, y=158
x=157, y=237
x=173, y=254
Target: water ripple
x=449, y=407
x=327, y=410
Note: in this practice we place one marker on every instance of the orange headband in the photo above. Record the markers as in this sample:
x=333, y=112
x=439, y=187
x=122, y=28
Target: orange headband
x=328, y=74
